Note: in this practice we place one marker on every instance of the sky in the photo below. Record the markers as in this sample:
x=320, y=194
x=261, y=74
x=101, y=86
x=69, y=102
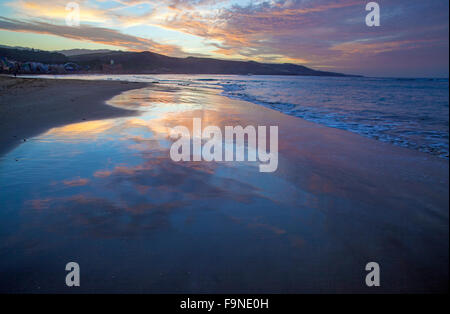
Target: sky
x=411, y=41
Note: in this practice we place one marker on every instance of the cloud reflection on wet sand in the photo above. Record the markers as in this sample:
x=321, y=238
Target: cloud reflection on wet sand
x=225, y=223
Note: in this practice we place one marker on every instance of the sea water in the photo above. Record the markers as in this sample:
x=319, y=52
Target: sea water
x=407, y=112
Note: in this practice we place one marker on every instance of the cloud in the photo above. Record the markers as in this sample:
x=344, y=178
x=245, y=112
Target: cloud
x=90, y=33
x=330, y=34
x=325, y=34
x=253, y=31
x=56, y=10
x=76, y=182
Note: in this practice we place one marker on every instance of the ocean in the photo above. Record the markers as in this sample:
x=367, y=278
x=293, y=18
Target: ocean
x=411, y=113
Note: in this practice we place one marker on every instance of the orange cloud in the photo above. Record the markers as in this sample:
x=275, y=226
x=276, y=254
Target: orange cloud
x=76, y=182
x=56, y=10
x=92, y=34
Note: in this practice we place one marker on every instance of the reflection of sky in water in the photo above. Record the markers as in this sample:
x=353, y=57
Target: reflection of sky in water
x=84, y=190
x=408, y=112
x=106, y=194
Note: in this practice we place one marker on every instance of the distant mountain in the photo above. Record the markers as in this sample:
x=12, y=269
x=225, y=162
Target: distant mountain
x=75, y=52
x=121, y=62
x=24, y=55
x=15, y=47
x=154, y=63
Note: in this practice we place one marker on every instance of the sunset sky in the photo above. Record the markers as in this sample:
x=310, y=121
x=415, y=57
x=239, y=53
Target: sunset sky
x=327, y=35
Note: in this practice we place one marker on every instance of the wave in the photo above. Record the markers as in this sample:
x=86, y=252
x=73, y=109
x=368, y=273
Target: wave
x=407, y=115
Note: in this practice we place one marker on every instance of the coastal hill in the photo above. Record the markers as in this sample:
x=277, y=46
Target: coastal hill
x=31, y=55
x=149, y=62
x=146, y=62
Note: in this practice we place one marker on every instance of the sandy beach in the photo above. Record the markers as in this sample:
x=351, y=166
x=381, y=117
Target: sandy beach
x=105, y=193
x=29, y=106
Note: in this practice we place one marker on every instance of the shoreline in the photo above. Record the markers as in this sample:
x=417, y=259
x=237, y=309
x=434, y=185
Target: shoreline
x=393, y=131
x=31, y=106
x=88, y=101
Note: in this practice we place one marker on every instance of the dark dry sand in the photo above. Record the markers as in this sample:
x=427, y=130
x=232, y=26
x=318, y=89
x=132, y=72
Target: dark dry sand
x=29, y=107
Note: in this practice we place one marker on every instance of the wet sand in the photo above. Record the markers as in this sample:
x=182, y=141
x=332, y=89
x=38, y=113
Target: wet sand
x=138, y=222
x=29, y=107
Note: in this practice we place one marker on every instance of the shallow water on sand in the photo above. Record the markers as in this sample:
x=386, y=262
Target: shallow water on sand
x=106, y=195
x=411, y=113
